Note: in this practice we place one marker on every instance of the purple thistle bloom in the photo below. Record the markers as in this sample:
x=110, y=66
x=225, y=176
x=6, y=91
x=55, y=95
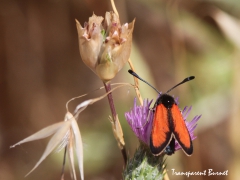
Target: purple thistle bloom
x=140, y=119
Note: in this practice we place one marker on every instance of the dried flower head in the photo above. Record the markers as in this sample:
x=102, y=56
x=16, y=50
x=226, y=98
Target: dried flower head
x=140, y=119
x=105, y=47
x=64, y=134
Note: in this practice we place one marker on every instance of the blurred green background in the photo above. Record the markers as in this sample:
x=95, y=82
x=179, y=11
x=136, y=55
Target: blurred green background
x=41, y=69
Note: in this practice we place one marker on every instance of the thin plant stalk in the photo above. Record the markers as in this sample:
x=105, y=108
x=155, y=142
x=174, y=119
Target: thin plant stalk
x=114, y=118
x=135, y=82
x=114, y=7
x=129, y=61
x=64, y=162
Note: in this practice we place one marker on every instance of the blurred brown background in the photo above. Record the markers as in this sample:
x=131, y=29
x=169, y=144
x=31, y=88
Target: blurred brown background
x=40, y=69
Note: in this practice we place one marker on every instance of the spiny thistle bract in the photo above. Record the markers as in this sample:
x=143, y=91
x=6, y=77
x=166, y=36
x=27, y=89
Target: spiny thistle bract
x=144, y=165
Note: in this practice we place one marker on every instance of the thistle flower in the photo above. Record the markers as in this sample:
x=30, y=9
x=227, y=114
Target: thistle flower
x=144, y=165
x=106, y=47
x=140, y=119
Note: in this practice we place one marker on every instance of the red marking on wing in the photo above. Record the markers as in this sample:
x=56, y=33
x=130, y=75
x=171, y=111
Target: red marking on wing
x=160, y=130
x=180, y=130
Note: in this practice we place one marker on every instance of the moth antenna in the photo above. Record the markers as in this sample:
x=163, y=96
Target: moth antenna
x=183, y=81
x=137, y=76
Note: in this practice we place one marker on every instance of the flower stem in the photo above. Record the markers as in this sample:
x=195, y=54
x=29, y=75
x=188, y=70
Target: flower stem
x=110, y=100
x=116, y=125
x=136, y=83
x=64, y=162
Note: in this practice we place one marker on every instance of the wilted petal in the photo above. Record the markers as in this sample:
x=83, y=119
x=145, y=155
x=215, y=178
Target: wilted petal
x=116, y=50
x=64, y=142
x=45, y=132
x=54, y=141
x=78, y=145
x=71, y=155
x=90, y=40
x=121, y=52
